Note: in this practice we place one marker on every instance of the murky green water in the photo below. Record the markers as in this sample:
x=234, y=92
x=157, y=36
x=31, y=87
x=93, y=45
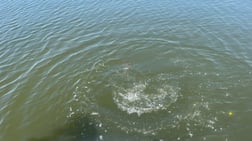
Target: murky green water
x=132, y=70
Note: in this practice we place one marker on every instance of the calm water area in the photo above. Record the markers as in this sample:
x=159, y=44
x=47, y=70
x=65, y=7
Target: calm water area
x=125, y=70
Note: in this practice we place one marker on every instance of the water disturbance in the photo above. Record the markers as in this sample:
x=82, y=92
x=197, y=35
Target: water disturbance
x=132, y=70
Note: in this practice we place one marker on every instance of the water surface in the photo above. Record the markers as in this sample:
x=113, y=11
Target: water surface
x=125, y=70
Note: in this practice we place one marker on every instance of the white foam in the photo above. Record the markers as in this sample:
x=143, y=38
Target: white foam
x=136, y=100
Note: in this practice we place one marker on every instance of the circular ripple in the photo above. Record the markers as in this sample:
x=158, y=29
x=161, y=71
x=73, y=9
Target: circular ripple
x=122, y=97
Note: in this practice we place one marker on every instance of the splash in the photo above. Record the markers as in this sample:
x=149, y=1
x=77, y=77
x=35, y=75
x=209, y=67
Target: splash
x=143, y=103
x=143, y=97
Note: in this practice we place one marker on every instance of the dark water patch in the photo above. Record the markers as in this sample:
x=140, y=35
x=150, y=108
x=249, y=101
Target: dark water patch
x=77, y=128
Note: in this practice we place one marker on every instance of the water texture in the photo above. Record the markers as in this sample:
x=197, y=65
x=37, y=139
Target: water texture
x=133, y=70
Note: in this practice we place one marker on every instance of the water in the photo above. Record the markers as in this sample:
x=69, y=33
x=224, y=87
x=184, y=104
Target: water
x=125, y=70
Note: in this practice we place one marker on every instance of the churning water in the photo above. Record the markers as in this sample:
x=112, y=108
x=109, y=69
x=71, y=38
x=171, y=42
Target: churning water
x=128, y=70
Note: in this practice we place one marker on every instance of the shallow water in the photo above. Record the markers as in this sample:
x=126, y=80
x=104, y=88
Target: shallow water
x=125, y=70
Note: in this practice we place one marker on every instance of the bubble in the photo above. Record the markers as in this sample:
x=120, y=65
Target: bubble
x=94, y=114
x=230, y=114
x=190, y=134
x=100, y=125
x=101, y=137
